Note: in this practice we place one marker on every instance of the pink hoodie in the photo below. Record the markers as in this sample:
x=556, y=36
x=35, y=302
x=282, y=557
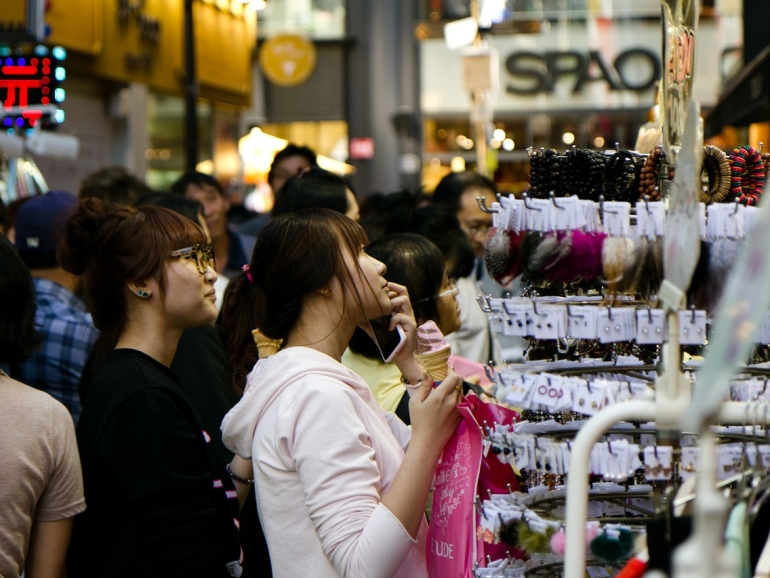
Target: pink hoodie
x=324, y=454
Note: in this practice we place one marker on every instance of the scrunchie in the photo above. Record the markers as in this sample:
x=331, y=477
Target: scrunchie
x=748, y=175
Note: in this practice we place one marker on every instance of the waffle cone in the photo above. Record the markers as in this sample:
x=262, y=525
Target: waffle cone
x=266, y=346
x=435, y=363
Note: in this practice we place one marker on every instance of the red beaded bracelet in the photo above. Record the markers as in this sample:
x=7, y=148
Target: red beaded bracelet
x=747, y=179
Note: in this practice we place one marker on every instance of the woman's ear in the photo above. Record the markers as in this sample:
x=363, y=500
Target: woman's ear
x=139, y=288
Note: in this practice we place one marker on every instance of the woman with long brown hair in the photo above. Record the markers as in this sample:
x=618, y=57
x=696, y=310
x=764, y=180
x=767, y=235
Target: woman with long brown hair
x=341, y=485
x=159, y=501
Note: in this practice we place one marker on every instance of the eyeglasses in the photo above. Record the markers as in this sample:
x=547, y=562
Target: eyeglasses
x=473, y=231
x=203, y=255
x=455, y=290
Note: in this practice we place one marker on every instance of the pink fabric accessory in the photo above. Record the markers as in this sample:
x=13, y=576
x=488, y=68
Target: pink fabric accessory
x=246, y=269
x=454, y=546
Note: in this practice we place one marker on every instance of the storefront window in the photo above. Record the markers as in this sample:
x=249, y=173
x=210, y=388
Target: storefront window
x=165, y=139
x=318, y=19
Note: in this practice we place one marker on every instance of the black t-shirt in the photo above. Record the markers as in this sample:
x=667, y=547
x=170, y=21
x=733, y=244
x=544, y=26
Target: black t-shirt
x=159, y=501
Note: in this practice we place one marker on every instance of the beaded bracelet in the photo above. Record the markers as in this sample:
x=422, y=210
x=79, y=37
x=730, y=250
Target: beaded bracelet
x=238, y=478
x=648, y=177
x=747, y=175
x=621, y=177
x=718, y=173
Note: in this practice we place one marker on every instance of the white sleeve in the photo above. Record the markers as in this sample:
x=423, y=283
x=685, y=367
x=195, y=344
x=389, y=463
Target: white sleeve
x=340, y=479
x=401, y=431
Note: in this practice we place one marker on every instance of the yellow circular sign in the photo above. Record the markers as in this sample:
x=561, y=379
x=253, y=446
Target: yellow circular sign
x=287, y=59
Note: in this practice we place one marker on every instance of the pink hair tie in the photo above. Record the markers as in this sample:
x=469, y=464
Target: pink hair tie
x=246, y=269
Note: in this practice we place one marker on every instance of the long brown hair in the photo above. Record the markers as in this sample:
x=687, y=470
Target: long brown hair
x=296, y=255
x=112, y=248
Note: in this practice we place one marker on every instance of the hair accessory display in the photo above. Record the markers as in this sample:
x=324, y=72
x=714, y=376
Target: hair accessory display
x=246, y=269
x=501, y=255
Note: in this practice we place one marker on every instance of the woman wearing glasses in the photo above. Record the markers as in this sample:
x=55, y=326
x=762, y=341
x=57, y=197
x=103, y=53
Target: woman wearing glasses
x=416, y=263
x=159, y=502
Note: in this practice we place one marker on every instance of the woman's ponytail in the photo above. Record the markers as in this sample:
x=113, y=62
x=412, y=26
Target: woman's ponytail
x=82, y=226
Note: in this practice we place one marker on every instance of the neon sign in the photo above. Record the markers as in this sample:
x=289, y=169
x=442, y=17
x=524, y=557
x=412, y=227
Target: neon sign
x=29, y=89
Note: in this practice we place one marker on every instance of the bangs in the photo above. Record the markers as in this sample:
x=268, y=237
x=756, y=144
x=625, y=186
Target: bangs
x=171, y=230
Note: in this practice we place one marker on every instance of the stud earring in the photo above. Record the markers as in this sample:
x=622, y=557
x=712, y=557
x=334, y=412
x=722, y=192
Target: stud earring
x=327, y=292
x=142, y=294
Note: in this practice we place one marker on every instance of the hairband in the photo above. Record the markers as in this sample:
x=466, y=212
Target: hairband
x=716, y=165
x=246, y=269
x=747, y=175
x=501, y=255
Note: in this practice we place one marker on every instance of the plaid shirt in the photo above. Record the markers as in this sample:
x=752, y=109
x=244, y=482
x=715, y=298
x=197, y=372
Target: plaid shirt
x=68, y=336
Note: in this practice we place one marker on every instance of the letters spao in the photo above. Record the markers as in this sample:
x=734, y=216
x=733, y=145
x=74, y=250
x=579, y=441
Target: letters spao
x=537, y=73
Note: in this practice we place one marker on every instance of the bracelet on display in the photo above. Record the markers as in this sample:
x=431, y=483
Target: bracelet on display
x=747, y=175
x=716, y=165
x=650, y=174
x=585, y=168
x=621, y=177
x=238, y=478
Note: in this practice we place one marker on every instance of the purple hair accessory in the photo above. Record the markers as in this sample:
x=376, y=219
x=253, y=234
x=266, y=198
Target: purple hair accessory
x=246, y=269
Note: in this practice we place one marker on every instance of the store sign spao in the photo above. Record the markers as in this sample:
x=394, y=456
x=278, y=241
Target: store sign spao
x=634, y=69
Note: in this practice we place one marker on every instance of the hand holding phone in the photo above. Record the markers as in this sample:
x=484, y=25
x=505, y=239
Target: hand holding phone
x=388, y=341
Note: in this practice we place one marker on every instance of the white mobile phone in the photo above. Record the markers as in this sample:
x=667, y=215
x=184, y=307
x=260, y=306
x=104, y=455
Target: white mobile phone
x=388, y=342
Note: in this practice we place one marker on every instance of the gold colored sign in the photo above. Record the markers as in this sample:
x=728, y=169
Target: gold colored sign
x=287, y=59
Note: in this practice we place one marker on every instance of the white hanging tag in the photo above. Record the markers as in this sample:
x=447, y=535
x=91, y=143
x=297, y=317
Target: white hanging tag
x=581, y=322
x=758, y=390
x=538, y=215
x=548, y=390
x=516, y=389
x=615, y=324
x=520, y=313
x=590, y=211
x=658, y=462
x=588, y=398
x=566, y=214
x=689, y=465
x=702, y=220
x=550, y=322
x=692, y=327
x=497, y=215
x=564, y=401
x=764, y=456
x=650, y=326
x=616, y=219
x=650, y=219
x=515, y=215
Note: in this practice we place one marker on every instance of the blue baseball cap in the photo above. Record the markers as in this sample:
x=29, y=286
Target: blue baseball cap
x=39, y=225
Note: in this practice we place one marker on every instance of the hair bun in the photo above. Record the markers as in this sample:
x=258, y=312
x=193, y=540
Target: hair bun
x=79, y=233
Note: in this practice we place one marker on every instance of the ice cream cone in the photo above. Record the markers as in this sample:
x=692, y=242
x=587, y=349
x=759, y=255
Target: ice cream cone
x=435, y=362
x=266, y=346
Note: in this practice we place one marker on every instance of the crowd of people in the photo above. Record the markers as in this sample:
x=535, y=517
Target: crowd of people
x=145, y=433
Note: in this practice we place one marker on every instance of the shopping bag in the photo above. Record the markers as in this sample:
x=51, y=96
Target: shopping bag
x=463, y=473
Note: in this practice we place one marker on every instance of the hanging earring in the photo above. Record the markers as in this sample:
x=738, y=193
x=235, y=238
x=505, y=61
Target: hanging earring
x=142, y=294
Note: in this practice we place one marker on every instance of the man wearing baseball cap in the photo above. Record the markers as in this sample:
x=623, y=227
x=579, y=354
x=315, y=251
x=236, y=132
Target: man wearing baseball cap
x=67, y=331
